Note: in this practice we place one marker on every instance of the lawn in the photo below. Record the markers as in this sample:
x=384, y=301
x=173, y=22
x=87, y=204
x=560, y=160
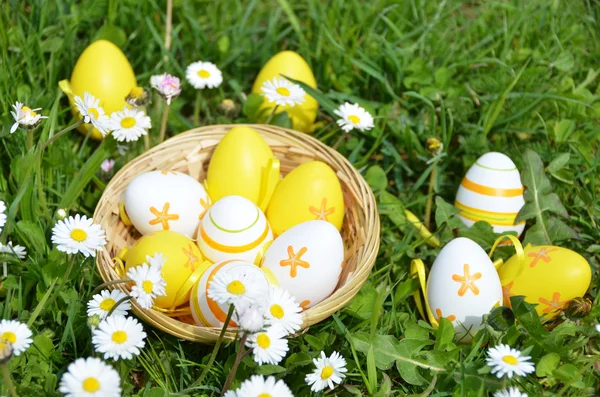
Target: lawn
x=519, y=77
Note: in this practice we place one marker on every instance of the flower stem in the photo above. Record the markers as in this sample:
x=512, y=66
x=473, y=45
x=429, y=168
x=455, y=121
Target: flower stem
x=8, y=380
x=169, y=24
x=340, y=140
x=163, y=123
x=146, y=142
x=271, y=115
x=197, y=110
x=125, y=299
x=60, y=133
x=430, y=196
x=238, y=359
x=109, y=283
x=29, y=139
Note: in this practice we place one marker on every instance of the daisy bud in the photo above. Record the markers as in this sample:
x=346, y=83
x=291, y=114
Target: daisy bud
x=251, y=320
x=229, y=108
x=25, y=117
x=61, y=213
x=107, y=165
x=137, y=97
x=167, y=86
x=434, y=146
x=6, y=352
x=94, y=321
x=578, y=308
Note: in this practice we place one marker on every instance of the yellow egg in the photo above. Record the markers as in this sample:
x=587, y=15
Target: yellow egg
x=183, y=259
x=550, y=277
x=311, y=191
x=102, y=70
x=290, y=64
x=243, y=165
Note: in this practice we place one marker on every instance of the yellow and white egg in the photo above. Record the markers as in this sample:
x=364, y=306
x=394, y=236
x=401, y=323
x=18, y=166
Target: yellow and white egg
x=233, y=228
x=463, y=285
x=492, y=191
x=307, y=260
x=164, y=200
x=209, y=313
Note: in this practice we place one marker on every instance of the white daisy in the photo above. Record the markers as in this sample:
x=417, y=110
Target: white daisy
x=167, y=86
x=90, y=377
x=251, y=319
x=258, y=386
x=230, y=393
x=283, y=92
x=329, y=372
x=204, y=74
x=107, y=165
x=507, y=361
x=149, y=283
x=78, y=234
x=598, y=327
x=61, y=213
x=512, y=392
x=354, y=116
x=269, y=346
x=129, y=124
x=17, y=334
x=236, y=287
x=282, y=309
x=119, y=337
x=16, y=250
x=2, y=215
x=102, y=303
x=90, y=110
x=25, y=117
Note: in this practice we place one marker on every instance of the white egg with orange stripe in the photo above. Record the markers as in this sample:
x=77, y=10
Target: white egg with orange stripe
x=209, y=313
x=492, y=191
x=234, y=228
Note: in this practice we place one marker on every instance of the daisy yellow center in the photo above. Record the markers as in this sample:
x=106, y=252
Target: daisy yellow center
x=93, y=112
x=10, y=337
x=91, y=385
x=119, y=337
x=265, y=395
x=326, y=372
x=203, y=73
x=78, y=235
x=354, y=119
x=512, y=360
x=107, y=304
x=236, y=288
x=263, y=341
x=128, y=122
x=283, y=91
x=147, y=286
x=27, y=109
x=277, y=311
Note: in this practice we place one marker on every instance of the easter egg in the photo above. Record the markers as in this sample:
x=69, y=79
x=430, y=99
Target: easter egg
x=233, y=228
x=549, y=276
x=243, y=165
x=165, y=200
x=209, y=313
x=492, y=191
x=290, y=64
x=311, y=191
x=463, y=285
x=307, y=260
x=183, y=259
x=104, y=71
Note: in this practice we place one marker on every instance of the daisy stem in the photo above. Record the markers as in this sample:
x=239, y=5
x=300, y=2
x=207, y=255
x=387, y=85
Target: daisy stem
x=59, y=134
x=238, y=359
x=271, y=115
x=211, y=360
x=8, y=380
x=430, y=196
x=109, y=283
x=125, y=299
x=197, y=110
x=163, y=123
x=146, y=142
x=340, y=140
x=29, y=139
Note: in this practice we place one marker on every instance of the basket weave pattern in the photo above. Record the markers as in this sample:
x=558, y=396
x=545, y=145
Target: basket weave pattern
x=190, y=153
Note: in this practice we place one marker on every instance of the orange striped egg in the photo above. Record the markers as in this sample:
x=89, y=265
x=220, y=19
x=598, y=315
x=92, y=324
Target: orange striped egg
x=233, y=228
x=492, y=191
x=209, y=313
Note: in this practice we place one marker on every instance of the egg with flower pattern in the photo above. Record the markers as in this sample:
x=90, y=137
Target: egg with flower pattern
x=463, y=285
x=307, y=260
x=492, y=191
x=550, y=277
x=164, y=200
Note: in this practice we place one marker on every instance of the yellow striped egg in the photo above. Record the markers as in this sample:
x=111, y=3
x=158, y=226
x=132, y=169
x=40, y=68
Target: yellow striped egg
x=492, y=191
x=209, y=313
x=233, y=228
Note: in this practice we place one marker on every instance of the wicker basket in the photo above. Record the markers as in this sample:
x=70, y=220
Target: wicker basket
x=190, y=152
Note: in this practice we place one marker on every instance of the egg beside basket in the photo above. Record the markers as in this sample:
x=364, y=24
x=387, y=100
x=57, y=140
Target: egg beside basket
x=190, y=152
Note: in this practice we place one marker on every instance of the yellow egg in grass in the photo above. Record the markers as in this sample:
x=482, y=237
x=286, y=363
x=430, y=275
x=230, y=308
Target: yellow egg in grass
x=311, y=191
x=182, y=260
x=243, y=165
x=290, y=64
x=104, y=71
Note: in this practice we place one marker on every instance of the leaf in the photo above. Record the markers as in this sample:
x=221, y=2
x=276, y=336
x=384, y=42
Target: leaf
x=113, y=34
x=442, y=77
x=393, y=208
x=252, y=105
x=564, y=62
x=384, y=347
x=445, y=213
x=282, y=119
x=563, y=130
x=385, y=389
x=376, y=178
x=33, y=234
x=528, y=317
x=444, y=335
x=315, y=342
x=481, y=232
x=558, y=162
x=559, y=231
x=323, y=100
x=406, y=289
x=568, y=374
x=268, y=369
x=547, y=364
x=362, y=305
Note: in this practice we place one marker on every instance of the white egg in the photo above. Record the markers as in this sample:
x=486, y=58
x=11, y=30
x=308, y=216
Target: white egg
x=165, y=200
x=233, y=228
x=492, y=191
x=307, y=260
x=209, y=313
x=463, y=285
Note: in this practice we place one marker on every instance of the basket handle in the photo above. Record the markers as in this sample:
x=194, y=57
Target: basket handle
x=417, y=269
x=520, y=253
x=268, y=182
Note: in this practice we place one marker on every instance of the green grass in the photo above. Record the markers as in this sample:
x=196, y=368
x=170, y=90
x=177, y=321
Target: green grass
x=480, y=76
